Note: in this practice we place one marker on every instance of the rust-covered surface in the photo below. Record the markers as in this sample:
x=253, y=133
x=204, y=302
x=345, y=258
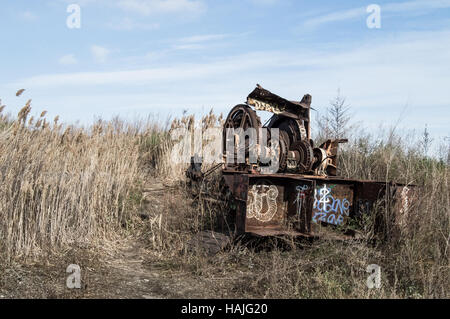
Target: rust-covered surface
x=264, y=100
x=302, y=196
x=302, y=205
x=297, y=152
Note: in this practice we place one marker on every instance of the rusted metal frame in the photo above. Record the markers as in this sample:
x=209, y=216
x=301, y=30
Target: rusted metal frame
x=238, y=185
x=334, y=203
x=363, y=195
x=263, y=99
x=288, y=209
x=367, y=193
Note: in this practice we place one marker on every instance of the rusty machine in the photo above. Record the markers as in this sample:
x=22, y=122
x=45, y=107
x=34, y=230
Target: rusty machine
x=303, y=196
x=295, y=152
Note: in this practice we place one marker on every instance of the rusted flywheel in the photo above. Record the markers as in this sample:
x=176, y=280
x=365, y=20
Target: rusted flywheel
x=243, y=117
x=289, y=126
x=284, y=148
x=304, y=155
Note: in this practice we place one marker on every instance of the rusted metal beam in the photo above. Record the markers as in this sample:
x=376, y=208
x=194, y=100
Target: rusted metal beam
x=303, y=205
x=264, y=100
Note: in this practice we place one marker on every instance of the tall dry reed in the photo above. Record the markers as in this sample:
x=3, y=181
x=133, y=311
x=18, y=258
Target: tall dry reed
x=63, y=185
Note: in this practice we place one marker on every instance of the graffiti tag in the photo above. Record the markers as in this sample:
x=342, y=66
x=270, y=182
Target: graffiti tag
x=258, y=196
x=301, y=195
x=404, y=199
x=404, y=206
x=329, y=209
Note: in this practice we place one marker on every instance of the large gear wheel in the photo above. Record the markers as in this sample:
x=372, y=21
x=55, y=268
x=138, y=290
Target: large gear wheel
x=290, y=126
x=305, y=154
x=242, y=117
x=284, y=149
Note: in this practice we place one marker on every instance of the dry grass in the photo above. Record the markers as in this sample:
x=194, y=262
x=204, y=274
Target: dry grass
x=414, y=258
x=66, y=186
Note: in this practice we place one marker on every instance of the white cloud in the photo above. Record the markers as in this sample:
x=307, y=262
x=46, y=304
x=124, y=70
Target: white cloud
x=99, y=53
x=68, y=59
x=203, y=38
x=197, y=42
x=378, y=77
x=398, y=7
x=334, y=16
x=149, y=7
x=142, y=76
x=129, y=24
x=190, y=46
x=416, y=5
x=264, y=2
x=400, y=64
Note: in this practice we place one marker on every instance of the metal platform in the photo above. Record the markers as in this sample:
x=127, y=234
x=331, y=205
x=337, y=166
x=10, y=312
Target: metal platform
x=305, y=205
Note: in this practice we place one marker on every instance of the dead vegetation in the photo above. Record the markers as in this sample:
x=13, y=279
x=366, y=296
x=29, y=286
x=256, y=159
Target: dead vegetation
x=113, y=182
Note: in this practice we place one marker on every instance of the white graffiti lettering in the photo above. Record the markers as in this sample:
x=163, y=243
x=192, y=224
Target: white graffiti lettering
x=404, y=198
x=403, y=216
x=255, y=203
x=301, y=194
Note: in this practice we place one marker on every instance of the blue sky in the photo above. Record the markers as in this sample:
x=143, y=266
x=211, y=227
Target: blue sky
x=137, y=58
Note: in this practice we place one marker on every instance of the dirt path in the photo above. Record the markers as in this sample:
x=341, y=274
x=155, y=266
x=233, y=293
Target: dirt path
x=135, y=272
x=128, y=278
x=127, y=270
x=129, y=274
